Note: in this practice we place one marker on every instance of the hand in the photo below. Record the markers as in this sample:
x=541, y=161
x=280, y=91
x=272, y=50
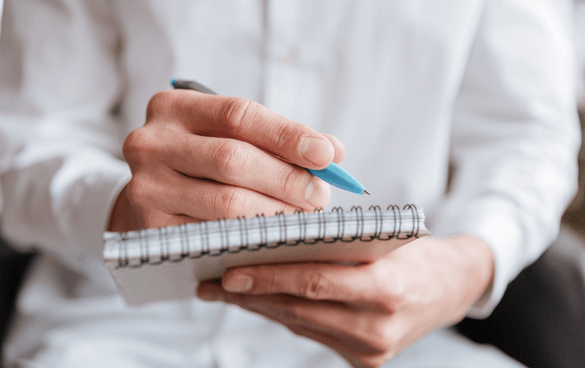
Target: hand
x=201, y=157
x=367, y=313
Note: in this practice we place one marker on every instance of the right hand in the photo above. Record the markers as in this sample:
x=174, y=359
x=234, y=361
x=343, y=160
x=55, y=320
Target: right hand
x=200, y=157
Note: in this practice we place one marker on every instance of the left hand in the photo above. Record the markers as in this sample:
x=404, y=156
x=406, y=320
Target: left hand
x=367, y=313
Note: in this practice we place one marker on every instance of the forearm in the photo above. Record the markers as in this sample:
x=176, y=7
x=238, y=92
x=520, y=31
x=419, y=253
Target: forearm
x=515, y=138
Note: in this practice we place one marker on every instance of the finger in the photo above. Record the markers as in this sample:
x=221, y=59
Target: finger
x=200, y=199
x=241, y=164
x=338, y=147
x=361, y=329
x=126, y=217
x=152, y=219
x=250, y=122
x=314, y=281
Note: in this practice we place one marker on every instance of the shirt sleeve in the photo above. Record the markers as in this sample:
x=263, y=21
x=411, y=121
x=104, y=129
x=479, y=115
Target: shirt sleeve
x=515, y=136
x=61, y=167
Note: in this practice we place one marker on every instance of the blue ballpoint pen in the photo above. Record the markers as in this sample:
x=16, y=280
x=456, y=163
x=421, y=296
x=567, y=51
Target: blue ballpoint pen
x=332, y=174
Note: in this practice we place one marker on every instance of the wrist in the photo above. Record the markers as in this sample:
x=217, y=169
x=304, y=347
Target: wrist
x=478, y=267
x=123, y=217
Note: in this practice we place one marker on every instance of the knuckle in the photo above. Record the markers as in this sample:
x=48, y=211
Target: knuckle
x=141, y=144
x=289, y=182
x=272, y=282
x=397, y=298
x=230, y=159
x=387, y=304
x=317, y=287
x=380, y=339
x=394, y=295
x=396, y=301
x=229, y=202
x=291, y=316
x=288, y=133
x=236, y=111
x=159, y=102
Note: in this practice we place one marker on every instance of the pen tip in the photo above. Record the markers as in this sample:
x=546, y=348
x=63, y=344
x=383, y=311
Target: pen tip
x=368, y=193
x=173, y=81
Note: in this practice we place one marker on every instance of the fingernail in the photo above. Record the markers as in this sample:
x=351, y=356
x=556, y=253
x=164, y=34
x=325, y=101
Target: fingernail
x=317, y=151
x=237, y=283
x=318, y=193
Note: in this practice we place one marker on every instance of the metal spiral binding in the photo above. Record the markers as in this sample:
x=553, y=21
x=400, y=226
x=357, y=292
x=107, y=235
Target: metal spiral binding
x=379, y=221
x=243, y=235
x=412, y=208
x=205, y=248
x=225, y=245
x=204, y=240
x=281, y=229
x=416, y=220
x=340, y=226
x=123, y=253
x=302, y=226
x=184, y=241
x=360, y=223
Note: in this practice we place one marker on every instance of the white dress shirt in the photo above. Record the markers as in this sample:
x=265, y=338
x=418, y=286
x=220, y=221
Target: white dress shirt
x=409, y=87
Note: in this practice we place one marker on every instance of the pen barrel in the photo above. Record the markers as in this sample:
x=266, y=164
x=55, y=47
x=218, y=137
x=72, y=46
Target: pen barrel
x=187, y=84
x=340, y=178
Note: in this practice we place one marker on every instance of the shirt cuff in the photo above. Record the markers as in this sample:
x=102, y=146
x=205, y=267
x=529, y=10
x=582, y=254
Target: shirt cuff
x=94, y=195
x=500, y=224
x=499, y=228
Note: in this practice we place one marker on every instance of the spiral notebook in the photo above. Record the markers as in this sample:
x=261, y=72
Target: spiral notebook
x=167, y=263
